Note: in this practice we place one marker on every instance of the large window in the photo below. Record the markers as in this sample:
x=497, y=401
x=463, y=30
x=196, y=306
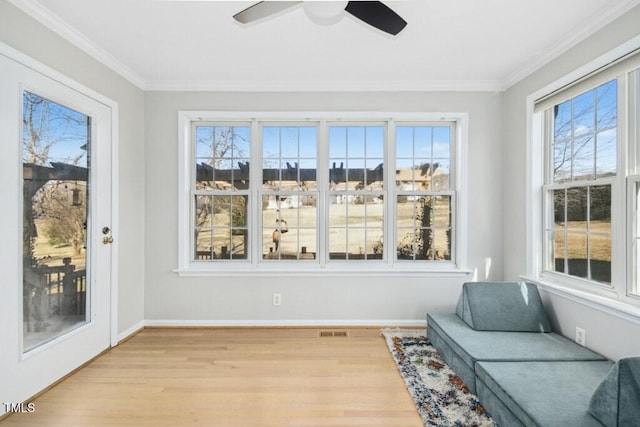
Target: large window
x=319, y=193
x=588, y=171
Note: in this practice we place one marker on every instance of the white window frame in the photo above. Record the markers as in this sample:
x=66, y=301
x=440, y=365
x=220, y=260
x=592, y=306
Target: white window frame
x=388, y=266
x=621, y=298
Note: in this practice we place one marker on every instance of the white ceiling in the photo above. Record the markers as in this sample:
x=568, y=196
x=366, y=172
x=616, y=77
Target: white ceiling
x=447, y=44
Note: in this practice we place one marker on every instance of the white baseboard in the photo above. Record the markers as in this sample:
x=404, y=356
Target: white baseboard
x=130, y=331
x=286, y=323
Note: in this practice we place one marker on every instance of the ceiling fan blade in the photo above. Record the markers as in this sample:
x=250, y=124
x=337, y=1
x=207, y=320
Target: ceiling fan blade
x=377, y=14
x=262, y=9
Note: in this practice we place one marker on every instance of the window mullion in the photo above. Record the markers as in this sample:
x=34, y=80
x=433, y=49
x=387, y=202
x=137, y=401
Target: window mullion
x=255, y=199
x=323, y=192
x=390, y=238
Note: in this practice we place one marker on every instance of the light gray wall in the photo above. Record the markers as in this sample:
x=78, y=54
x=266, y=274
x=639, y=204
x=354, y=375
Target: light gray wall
x=23, y=33
x=321, y=298
x=610, y=335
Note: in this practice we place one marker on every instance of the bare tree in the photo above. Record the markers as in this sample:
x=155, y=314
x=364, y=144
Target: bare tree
x=46, y=125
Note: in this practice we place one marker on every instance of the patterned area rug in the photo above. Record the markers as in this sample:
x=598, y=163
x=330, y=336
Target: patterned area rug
x=441, y=398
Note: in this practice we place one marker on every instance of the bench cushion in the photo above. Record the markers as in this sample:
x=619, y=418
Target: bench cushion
x=540, y=393
x=616, y=401
x=461, y=347
x=502, y=306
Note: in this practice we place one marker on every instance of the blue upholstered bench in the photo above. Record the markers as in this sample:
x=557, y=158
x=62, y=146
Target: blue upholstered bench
x=500, y=344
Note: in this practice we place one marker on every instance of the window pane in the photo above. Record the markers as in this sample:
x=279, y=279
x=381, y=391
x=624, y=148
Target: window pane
x=289, y=229
x=442, y=141
x=562, y=121
x=424, y=227
x=374, y=174
x=606, y=156
x=203, y=227
x=582, y=232
x=440, y=173
x=600, y=233
x=226, y=237
x=577, y=213
x=584, y=114
x=404, y=142
x=288, y=155
x=356, y=228
x=337, y=142
x=577, y=254
x=559, y=250
x=56, y=164
x=583, y=157
x=576, y=227
x=363, y=167
x=562, y=160
x=584, y=136
x=600, y=256
x=607, y=112
x=423, y=157
x=222, y=157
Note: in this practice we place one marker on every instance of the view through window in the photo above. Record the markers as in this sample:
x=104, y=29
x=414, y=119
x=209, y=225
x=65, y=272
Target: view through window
x=322, y=192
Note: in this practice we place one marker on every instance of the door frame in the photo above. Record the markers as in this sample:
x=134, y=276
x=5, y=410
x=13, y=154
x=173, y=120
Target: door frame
x=59, y=78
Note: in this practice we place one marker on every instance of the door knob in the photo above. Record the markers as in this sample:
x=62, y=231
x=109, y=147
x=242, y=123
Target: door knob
x=107, y=240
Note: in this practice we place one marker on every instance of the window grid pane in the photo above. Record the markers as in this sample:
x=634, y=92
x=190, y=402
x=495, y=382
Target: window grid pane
x=423, y=227
x=583, y=150
x=289, y=193
x=424, y=213
x=222, y=157
x=289, y=230
x=220, y=201
x=584, y=143
x=356, y=192
x=581, y=232
x=223, y=189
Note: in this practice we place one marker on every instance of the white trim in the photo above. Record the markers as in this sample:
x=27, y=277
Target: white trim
x=320, y=323
x=596, y=22
x=610, y=306
x=599, y=62
x=115, y=221
x=293, y=271
x=612, y=300
x=130, y=331
x=45, y=70
x=248, y=268
x=75, y=37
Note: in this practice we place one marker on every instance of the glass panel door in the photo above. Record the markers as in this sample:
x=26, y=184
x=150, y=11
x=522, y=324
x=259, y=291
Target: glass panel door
x=56, y=153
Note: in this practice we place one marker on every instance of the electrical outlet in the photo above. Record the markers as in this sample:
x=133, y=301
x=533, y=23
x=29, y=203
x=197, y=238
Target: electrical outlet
x=277, y=299
x=581, y=336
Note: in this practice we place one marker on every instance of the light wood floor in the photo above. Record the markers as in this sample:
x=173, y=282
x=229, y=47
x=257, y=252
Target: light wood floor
x=233, y=377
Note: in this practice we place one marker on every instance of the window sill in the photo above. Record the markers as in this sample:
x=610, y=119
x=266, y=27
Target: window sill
x=318, y=271
x=628, y=309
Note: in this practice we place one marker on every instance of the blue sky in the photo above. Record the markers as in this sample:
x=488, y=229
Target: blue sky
x=65, y=128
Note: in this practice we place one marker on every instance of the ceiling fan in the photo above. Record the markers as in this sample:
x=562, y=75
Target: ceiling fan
x=374, y=13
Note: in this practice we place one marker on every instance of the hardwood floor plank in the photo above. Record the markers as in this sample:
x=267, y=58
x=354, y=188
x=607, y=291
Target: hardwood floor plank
x=257, y=377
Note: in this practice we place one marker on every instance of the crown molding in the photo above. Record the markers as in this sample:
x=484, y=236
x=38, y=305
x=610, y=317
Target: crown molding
x=600, y=19
x=59, y=26
x=69, y=33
